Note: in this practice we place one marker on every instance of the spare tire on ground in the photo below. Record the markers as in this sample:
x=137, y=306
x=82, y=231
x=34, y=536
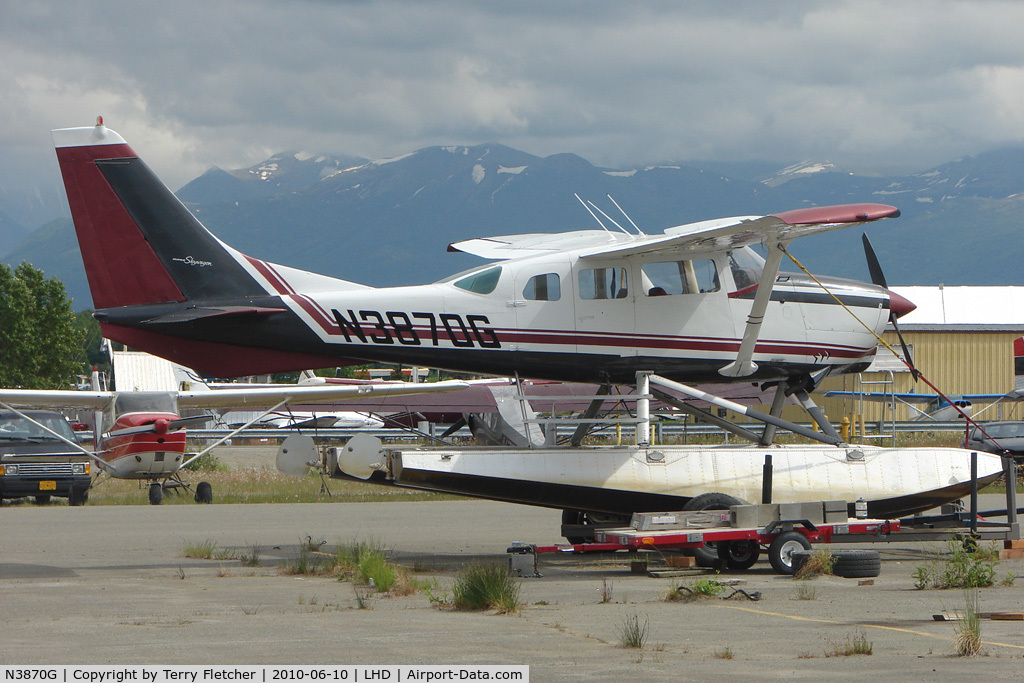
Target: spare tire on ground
x=849, y=564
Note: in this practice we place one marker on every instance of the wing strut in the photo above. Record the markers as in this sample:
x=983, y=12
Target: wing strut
x=744, y=366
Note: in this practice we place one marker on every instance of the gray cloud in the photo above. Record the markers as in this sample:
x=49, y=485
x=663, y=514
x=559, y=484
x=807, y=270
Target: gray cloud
x=193, y=84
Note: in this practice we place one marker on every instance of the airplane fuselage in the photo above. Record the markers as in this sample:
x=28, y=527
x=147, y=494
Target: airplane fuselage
x=577, y=333
x=153, y=454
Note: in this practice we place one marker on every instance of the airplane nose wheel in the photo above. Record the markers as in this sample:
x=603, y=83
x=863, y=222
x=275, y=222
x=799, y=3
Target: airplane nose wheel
x=156, y=493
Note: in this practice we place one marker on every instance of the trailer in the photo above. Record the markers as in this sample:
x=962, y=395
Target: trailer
x=737, y=536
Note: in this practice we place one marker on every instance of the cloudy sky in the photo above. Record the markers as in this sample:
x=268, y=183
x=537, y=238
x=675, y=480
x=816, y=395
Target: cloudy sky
x=193, y=84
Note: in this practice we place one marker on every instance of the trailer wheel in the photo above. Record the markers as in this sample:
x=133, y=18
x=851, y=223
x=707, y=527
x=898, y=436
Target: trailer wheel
x=740, y=554
x=707, y=555
x=780, y=552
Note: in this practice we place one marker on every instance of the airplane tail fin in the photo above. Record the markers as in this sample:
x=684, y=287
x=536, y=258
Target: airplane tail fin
x=140, y=244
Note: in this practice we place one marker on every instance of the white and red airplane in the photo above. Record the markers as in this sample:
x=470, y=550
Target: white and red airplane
x=694, y=304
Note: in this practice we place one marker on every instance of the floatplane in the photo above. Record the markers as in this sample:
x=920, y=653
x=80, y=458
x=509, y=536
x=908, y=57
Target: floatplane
x=693, y=304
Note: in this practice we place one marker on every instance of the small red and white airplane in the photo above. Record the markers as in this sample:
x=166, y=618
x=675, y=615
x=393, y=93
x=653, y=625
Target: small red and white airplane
x=694, y=304
x=140, y=434
x=590, y=305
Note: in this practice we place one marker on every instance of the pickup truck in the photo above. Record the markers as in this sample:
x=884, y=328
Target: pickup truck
x=35, y=463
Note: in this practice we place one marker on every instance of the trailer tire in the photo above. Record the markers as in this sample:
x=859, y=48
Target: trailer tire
x=741, y=554
x=780, y=552
x=714, y=500
x=856, y=564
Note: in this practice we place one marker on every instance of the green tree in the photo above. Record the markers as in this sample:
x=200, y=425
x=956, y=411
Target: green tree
x=42, y=346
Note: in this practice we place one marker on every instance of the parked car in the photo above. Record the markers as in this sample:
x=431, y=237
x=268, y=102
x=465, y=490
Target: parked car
x=1006, y=436
x=34, y=462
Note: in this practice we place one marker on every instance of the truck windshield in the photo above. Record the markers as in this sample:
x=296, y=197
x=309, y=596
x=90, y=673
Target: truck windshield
x=17, y=428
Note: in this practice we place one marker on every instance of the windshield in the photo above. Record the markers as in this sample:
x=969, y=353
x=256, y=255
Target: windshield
x=17, y=428
x=145, y=402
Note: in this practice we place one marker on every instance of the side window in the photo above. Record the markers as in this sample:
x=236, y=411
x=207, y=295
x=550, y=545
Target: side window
x=603, y=283
x=482, y=282
x=543, y=288
x=680, y=277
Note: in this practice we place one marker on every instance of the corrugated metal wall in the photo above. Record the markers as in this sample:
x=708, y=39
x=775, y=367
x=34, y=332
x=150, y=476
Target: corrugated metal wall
x=955, y=362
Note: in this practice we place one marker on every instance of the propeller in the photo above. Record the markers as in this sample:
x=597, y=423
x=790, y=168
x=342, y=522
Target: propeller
x=898, y=305
x=162, y=425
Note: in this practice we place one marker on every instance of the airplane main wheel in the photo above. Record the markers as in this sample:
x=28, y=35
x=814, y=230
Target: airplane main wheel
x=156, y=494
x=78, y=496
x=204, y=492
x=707, y=555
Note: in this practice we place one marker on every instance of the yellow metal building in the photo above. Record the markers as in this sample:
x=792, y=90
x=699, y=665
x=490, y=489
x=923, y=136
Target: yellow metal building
x=962, y=340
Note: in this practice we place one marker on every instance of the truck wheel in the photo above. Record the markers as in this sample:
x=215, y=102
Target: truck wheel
x=740, y=554
x=780, y=552
x=707, y=555
x=204, y=492
x=156, y=493
x=43, y=499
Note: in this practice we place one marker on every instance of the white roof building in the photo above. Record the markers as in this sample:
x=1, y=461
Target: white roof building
x=964, y=308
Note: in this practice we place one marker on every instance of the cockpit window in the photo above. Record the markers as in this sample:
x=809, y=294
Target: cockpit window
x=145, y=402
x=680, y=277
x=543, y=288
x=603, y=283
x=481, y=282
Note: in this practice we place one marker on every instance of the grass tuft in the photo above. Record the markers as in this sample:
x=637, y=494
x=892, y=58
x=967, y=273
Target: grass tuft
x=200, y=549
x=853, y=645
x=632, y=633
x=967, y=632
x=967, y=565
x=820, y=562
x=486, y=586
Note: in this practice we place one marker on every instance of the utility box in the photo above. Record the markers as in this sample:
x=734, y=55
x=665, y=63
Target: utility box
x=754, y=516
x=812, y=512
x=836, y=511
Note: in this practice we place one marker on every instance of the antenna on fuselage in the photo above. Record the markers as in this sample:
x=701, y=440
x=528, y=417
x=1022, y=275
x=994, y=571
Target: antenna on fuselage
x=603, y=226
x=626, y=215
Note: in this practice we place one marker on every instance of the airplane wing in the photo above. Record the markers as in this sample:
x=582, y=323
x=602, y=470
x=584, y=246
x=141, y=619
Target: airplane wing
x=56, y=399
x=720, y=233
x=270, y=396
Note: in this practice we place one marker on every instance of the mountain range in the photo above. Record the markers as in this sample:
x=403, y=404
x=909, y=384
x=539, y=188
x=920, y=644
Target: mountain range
x=387, y=222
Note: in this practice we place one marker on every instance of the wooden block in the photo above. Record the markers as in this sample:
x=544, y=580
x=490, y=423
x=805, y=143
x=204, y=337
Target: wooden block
x=680, y=561
x=1013, y=543
x=866, y=582
x=639, y=567
x=1007, y=616
x=1011, y=554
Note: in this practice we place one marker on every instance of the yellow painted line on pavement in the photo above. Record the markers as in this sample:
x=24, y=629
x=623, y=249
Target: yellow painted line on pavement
x=878, y=626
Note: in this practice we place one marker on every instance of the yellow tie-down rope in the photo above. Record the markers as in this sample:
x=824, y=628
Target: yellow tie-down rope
x=887, y=345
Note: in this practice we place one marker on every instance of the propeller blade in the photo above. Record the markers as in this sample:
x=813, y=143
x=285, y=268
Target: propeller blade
x=877, y=276
x=906, y=350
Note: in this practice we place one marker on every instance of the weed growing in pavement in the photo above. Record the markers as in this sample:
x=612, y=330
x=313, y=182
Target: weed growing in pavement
x=701, y=588
x=805, y=591
x=606, y=592
x=251, y=558
x=853, y=645
x=202, y=549
x=967, y=632
x=967, y=566
x=820, y=562
x=632, y=633
x=725, y=653
x=486, y=586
